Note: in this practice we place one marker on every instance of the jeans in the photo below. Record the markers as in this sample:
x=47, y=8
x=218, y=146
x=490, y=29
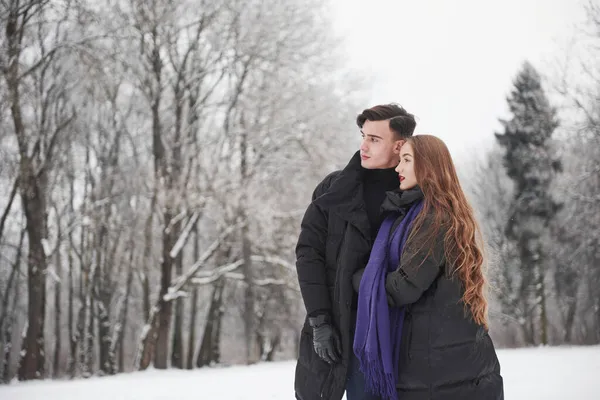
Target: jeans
x=355, y=382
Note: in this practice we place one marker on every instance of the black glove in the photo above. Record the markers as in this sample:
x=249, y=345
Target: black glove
x=326, y=340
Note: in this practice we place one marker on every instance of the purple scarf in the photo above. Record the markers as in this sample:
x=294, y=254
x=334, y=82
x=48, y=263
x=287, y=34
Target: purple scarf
x=379, y=327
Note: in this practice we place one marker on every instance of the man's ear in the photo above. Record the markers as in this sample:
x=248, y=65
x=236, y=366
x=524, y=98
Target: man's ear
x=398, y=145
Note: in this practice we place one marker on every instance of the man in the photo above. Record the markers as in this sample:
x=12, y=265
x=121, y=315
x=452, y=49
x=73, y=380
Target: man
x=337, y=233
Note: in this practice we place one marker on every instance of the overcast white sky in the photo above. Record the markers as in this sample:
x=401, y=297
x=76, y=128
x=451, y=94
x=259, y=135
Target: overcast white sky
x=451, y=62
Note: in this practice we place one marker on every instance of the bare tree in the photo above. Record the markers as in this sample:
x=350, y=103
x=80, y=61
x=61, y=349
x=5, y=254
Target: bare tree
x=26, y=28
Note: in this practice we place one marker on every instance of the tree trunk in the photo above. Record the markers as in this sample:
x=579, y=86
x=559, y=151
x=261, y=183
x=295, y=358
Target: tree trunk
x=193, y=307
x=148, y=339
x=33, y=193
x=33, y=186
x=597, y=308
x=165, y=311
x=148, y=258
x=527, y=291
x=161, y=355
x=192, y=334
x=8, y=332
x=542, y=299
x=246, y=254
x=570, y=318
x=7, y=329
x=8, y=318
x=11, y=280
x=105, y=291
x=209, y=352
x=89, y=337
x=57, y=314
x=527, y=321
x=595, y=300
x=72, y=334
x=86, y=327
x=97, y=288
x=123, y=320
x=530, y=334
x=275, y=343
x=72, y=363
x=107, y=362
x=161, y=175
x=177, y=349
x=177, y=357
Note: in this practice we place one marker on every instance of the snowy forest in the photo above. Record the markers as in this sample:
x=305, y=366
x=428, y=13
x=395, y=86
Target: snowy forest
x=156, y=158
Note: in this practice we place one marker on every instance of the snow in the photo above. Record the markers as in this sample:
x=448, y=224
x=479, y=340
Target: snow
x=184, y=236
x=536, y=373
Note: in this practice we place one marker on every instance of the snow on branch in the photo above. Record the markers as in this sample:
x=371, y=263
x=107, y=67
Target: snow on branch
x=227, y=271
x=175, y=220
x=185, y=278
x=184, y=235
x=211, y=276
x=275, y=261
x=172, y=295
x=204, y=278
x=263, y=282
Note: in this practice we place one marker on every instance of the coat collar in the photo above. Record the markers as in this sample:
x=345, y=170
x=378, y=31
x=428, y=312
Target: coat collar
x=345, y=196
x=400, y=200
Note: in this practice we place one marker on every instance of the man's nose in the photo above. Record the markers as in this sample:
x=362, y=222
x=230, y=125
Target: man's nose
x=363, y=145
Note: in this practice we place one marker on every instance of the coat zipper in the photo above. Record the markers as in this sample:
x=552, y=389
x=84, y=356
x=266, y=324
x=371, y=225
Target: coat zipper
x=336, y=295
x=335, y=300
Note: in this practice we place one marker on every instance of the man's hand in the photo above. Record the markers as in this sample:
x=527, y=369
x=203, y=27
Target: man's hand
x=326, y=340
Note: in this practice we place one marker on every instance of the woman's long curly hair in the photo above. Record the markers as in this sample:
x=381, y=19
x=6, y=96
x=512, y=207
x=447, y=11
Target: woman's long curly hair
x=446, y=202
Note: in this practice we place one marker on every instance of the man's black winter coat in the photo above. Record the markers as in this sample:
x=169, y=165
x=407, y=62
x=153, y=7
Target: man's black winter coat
x=334, y=242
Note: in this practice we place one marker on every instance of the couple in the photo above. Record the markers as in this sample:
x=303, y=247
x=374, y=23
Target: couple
x=390, y=269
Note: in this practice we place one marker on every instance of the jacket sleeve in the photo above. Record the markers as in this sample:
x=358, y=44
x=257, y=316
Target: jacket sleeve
x=419, y=266
x=310, y=256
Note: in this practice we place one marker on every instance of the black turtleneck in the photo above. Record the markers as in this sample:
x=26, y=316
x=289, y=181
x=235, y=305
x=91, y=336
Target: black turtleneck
x=376, y=182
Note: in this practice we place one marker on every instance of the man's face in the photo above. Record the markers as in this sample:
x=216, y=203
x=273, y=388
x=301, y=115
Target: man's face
x=379, y=148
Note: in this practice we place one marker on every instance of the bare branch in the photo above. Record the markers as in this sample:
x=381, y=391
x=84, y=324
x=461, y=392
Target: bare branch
x=184, y=235
x=11, y=197
x=275, y=261
x=264, y=282
x=181, y=281
x=212, y=276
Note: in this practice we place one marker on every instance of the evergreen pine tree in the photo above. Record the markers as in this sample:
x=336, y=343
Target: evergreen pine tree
x=530, y=162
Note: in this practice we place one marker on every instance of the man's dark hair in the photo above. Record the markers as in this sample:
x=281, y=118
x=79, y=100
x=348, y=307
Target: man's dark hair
x=402, y=123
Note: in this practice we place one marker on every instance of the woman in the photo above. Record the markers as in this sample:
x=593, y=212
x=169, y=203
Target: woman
x=421, y=330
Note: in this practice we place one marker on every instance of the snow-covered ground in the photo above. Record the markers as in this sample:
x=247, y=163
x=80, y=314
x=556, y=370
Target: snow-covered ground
x=529, y=374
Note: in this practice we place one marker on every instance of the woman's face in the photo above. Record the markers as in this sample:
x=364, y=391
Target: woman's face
x=406, y=168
